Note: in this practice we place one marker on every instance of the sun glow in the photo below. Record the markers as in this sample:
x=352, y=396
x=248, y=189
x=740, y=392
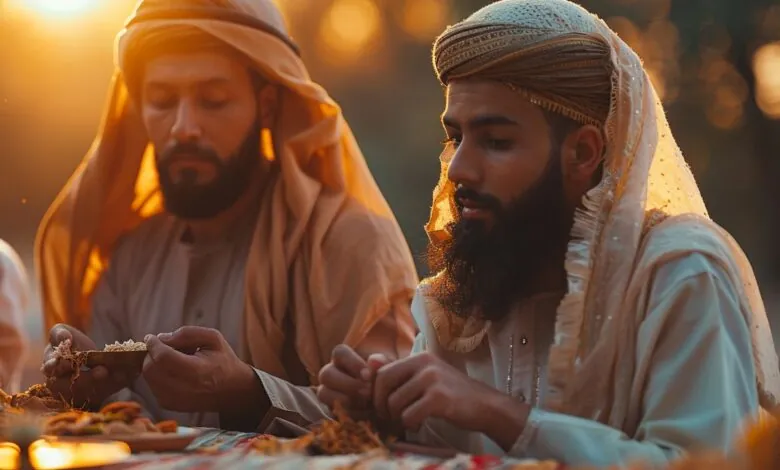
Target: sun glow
x=57, y=7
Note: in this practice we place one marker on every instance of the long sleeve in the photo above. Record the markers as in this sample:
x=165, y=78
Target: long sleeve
x=14, y=299
x=295, y=407
x=699, y=389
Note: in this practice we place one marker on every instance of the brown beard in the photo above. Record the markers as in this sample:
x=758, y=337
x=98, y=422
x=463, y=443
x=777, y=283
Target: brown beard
x=484, y=271
x=203, y=201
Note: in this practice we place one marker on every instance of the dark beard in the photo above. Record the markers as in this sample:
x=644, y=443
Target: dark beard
x=192, y=201
x=487, y=270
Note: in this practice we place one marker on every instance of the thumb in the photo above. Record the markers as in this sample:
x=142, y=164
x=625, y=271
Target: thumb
x=191, y=338
x=58, y=334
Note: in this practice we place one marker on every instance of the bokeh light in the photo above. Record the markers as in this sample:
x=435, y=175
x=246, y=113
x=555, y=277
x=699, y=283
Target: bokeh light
x=766, y=68
x=350, y=28
x=725, y=92
x=423, y=20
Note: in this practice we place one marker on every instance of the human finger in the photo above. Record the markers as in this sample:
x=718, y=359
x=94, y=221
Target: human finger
x=389, y=378
x=418, y=411
x=165, y=356
x=404, y=396
x=348, y=360
x=334, y=378
x=192, y=338
x=374, y=362
x=59, y=333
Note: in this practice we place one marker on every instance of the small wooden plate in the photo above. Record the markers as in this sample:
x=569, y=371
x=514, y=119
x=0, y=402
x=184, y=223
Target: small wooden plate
x=126, y=360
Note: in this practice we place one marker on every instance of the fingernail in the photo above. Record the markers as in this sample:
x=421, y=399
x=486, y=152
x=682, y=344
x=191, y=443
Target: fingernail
x=147, y=338
x=164, y=336
x=365, y=374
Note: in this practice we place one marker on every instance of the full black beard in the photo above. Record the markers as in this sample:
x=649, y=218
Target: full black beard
x=193, y=201
x=487, y=270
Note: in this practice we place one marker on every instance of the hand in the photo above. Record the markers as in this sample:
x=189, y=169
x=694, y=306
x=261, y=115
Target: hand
x=91, y=387
x=195, y=370
x=423, y=386
x=348, y=379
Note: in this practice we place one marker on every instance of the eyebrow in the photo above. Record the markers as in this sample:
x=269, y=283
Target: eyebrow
x=217, y=81
x=481, y=121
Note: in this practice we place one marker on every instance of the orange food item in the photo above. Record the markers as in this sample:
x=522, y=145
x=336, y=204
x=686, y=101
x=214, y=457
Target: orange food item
x=114, y=419
x=342, y=436
x=168, y=426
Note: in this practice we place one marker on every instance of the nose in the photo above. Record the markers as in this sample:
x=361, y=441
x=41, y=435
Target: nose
x=463, y=169
x=186, y=127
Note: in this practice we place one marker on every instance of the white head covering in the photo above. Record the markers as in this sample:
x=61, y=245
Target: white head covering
x=646, y=180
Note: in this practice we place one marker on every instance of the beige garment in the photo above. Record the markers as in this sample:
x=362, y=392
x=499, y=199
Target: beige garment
x=327, y=254
x=645, y=175
x=14, y=300
x=694, y=382
x=156, y=283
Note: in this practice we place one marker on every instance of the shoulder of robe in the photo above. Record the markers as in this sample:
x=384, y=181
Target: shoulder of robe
x=677, y=254
x=687, y=245
x=360, y=235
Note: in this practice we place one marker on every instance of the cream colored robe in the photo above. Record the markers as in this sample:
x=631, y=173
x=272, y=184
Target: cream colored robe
x=694, y=382
x=157, y=283
x=14, y=300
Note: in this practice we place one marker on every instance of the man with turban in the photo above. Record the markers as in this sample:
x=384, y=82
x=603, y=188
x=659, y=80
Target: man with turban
x=585, y=308
x=224, y=192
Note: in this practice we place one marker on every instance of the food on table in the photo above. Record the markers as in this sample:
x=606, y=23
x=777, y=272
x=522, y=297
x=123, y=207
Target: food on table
x=64, y=351
x=120, y=418
x=272, y=445
x=342, y=436
x=38, y=398
x=128, y=345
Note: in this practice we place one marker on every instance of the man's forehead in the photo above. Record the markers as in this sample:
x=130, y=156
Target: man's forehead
x=469, y=99
x=188, y=3
x=192, y=67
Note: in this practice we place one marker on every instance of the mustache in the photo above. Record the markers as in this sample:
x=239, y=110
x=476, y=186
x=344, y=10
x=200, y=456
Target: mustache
x=189, y=151
x=485, y=200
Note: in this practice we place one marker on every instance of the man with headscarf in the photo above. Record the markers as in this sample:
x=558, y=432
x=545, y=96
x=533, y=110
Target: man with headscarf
x=14, y=300
x=585, y=308
x=224, y=192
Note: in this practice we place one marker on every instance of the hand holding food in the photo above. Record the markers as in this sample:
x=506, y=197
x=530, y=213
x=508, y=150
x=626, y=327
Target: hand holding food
x=194, y=369
x=348, y=379
x=62, y=364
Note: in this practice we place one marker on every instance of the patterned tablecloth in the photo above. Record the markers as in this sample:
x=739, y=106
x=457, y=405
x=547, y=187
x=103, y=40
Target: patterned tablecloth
x=222, y=450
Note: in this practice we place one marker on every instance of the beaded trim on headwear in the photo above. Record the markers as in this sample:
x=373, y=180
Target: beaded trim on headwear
x=209, y=13
x=554, y=106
